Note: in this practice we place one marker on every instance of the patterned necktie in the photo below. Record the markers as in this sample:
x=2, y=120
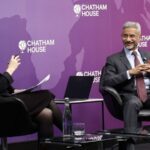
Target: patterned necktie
x=140, y=85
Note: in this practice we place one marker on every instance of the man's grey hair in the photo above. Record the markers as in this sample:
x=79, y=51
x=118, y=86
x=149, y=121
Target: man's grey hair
x=131, y=24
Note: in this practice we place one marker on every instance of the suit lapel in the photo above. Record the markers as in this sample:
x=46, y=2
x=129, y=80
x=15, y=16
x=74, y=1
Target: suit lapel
x=143, y=55
x=124, y=60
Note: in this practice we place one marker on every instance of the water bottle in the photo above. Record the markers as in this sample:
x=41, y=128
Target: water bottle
x=67, y=120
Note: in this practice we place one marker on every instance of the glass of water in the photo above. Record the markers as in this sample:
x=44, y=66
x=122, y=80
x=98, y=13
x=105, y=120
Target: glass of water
x=78, y=131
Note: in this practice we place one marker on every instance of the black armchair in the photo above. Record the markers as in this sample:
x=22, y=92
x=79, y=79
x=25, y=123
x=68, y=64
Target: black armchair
x=114, y=104
x=15, y=120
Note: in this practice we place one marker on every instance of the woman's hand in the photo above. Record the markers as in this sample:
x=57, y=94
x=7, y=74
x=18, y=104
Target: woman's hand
x=13, y=64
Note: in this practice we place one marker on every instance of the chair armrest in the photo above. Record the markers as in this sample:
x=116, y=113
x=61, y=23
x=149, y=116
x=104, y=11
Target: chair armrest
x=15, y=118
x=22, y=103
x=113, y=93
x=13, y=100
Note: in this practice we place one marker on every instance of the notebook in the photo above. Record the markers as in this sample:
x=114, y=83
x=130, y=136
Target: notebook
x=79, y=87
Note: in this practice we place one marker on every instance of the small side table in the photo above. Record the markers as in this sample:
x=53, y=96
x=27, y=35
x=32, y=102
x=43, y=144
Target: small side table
x=89, y=142
x=89, y=100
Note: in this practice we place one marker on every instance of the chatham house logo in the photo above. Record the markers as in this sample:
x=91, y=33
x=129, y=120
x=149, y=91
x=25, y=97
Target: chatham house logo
x=89, y=10
x=22, y=46
x=35, y=46
x=77, y=9
x=95, y=73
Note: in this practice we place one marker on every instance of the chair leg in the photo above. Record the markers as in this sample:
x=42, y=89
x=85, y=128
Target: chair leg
x=4, y=144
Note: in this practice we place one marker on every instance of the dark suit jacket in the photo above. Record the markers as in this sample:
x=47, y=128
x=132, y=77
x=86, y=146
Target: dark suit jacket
x=114, y=73
x=5, y=84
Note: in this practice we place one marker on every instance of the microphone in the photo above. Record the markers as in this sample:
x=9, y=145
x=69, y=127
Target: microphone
x=144, y=59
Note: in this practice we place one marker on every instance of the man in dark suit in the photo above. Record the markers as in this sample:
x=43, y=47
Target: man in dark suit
x=121, y=72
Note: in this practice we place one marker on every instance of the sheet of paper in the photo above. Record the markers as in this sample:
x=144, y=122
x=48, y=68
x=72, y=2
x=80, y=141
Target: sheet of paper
x=35, y=86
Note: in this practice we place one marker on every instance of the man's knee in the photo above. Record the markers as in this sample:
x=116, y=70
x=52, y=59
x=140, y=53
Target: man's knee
x=133, y=103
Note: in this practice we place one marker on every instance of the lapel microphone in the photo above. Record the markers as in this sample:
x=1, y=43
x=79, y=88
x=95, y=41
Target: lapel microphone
x=144, y=59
